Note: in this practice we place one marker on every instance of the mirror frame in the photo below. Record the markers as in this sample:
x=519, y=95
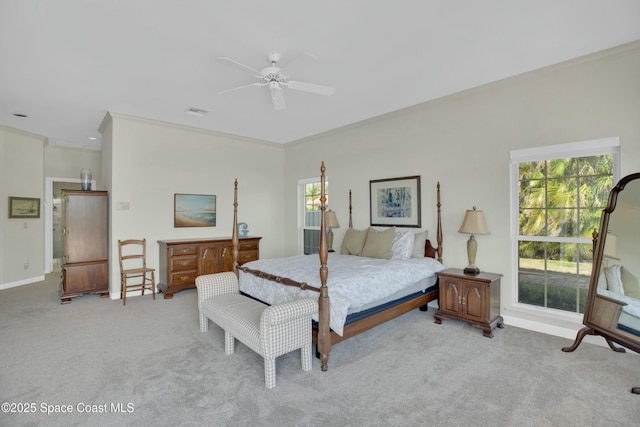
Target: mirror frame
x=592, y=321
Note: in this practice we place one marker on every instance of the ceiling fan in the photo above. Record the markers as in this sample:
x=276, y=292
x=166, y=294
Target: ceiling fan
x=276, y=78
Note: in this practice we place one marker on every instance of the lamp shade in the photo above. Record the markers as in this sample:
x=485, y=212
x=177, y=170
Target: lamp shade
x=474, y=223
x=332, y=220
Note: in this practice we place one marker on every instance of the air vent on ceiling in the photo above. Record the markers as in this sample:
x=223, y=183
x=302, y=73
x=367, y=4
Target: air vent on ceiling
x=197, y=111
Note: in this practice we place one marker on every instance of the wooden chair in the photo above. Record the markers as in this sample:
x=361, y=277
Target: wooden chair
x=134, y=274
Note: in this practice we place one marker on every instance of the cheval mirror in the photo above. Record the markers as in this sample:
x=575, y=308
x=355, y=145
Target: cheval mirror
x=612, y=309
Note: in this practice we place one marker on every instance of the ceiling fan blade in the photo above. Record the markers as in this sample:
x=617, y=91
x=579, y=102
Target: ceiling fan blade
x=253, y=70
x=311, y=87
x=241, y=87
x=277, y=96
x=302, y=60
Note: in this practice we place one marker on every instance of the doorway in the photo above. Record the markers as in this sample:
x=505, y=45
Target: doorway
x=54, y=250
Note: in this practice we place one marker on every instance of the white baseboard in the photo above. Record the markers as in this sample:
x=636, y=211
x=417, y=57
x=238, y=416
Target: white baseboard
x=21, y=282
x=557, y=331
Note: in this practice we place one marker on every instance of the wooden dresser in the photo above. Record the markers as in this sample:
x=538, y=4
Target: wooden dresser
x=181, y=261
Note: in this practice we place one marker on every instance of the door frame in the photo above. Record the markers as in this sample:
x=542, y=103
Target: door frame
x=48, y=218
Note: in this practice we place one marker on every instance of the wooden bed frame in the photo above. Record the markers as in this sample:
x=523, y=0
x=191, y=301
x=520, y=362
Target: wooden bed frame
x=324, y=337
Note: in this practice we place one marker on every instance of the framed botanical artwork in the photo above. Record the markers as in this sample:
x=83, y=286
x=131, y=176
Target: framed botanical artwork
x=194, y=210
x=24, y=207
x=395, y=202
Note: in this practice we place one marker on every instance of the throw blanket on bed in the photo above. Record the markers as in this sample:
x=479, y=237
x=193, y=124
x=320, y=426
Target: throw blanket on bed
x=353, y=281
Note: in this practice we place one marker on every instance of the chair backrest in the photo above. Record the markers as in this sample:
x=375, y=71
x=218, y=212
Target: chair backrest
x=133, y=253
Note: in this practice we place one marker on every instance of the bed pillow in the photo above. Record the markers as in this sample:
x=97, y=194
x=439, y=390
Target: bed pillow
x=602, y=281
x=402, y=245
x=419, y=241
x=353, y=242
x=378, y=243
x=614, y=282
x=629, y=283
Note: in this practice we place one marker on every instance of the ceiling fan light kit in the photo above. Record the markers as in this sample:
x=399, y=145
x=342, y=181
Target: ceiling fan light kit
x=275, y=78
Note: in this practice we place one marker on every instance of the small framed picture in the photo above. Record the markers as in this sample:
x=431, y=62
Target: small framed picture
x=194, y=210
x=24, y=207
x=395, y=202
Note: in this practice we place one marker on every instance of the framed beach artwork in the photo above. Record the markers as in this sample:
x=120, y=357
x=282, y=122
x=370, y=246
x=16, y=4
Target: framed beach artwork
x=395, y=202
x=24, y=207
x=194, y=210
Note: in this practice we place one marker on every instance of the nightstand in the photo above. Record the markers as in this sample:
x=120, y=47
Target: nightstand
x=471, y=298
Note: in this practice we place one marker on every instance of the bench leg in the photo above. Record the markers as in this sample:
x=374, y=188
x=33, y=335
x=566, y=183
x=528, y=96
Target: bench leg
x=229, y=343
x=305, y=356
x=204, y=323
x=270, y=372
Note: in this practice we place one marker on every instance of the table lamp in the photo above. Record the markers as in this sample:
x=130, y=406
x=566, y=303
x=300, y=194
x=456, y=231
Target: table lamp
x=473, y=223
x=331, y=222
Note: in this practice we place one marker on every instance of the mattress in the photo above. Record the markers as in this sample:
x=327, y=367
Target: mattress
x=355, y=283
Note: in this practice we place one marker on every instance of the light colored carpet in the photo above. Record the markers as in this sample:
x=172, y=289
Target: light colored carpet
x=150, y=359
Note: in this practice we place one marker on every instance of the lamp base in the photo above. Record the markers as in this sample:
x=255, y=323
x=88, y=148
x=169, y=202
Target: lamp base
x=472, y=270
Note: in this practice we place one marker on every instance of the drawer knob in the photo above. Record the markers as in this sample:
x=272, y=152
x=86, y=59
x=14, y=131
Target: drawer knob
x=184, y=277
x=184, y=263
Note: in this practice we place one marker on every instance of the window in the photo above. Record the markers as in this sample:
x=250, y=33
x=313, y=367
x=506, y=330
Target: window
x=310, y=197
x=559, y=194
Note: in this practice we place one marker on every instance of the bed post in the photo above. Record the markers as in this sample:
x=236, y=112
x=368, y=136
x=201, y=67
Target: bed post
x=324, y=334
x=439, y=231
x=235, y=243
x=350, y=216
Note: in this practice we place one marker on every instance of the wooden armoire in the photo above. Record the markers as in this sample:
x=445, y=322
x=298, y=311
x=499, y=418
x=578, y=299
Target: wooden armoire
x=85, y=266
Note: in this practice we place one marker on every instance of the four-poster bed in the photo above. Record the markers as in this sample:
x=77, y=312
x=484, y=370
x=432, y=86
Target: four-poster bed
x=374, y=306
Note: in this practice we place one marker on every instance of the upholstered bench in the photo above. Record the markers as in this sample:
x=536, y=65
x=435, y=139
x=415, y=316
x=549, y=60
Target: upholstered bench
x=270, y=331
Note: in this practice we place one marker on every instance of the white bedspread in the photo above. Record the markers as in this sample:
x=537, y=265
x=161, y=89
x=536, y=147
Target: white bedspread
x=353, y=281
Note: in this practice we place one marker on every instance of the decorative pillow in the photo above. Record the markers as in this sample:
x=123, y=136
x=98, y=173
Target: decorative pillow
x=419, y=241
x=402, y=245
x=353, y=242
x=378, y=243
x=602, y=281
x=614, y=282
x=629, y=283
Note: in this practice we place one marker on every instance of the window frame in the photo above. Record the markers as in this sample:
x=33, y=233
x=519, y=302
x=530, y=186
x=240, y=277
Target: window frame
x=302, y=209
x=595, y=147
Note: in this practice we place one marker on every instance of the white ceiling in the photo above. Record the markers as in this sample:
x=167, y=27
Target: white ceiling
x=66, y=63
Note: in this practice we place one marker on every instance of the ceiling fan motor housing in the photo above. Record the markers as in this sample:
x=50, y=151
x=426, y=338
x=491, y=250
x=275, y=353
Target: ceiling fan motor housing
x=272, y=74
x=273, y=57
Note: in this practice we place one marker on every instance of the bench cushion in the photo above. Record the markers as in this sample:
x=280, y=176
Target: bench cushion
x=238, y=315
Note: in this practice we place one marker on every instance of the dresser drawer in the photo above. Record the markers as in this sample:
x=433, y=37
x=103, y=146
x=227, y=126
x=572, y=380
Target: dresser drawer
x=183, y=250
x=246, y=256
x=184, y=278
x=248, y=245
x=183, y=263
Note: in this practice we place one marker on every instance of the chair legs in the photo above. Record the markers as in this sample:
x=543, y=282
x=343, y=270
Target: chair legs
x=148, y=283
x=123, y=289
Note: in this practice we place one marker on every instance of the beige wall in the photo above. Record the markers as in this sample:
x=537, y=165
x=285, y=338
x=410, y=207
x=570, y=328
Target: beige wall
x=22, y=175
x=147, y=162
x=26, y=160
x=62, y=162
x=464, y=141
